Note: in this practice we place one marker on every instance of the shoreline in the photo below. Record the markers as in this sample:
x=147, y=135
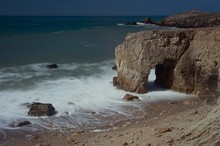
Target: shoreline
x=157, y=112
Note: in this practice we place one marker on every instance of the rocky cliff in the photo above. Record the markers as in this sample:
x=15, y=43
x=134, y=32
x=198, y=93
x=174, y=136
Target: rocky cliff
x=204, y=133
x=191, y=19
x=185, y=60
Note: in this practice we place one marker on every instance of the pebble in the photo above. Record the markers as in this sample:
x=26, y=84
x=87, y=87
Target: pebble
x=70, y=140
x=125, y=144
x=65, y=114
x=172, y=102
x=109, y=136
x=78, y=133
x=163, y=130
x=193, y=112
x=128, y=123
x=186, y=103
x=49, y=126
x=131, y=141
x=169, y=141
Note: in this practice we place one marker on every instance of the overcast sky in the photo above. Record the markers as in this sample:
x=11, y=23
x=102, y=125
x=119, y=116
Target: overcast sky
x=105, y=7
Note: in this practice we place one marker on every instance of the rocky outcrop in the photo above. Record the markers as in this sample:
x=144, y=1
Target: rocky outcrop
x=41, y=109
x=185, y=60
x=204, y=133
x=191, y=19
x=147, y=21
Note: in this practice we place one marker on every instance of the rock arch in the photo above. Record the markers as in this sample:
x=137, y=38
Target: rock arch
x=185, y=60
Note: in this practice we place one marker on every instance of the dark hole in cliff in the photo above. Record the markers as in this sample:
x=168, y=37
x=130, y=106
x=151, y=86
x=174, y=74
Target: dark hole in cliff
x=151, y=85
x=164, y=74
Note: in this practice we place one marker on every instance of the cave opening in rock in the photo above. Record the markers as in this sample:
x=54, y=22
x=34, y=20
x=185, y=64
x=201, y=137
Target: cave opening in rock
x=165, y=74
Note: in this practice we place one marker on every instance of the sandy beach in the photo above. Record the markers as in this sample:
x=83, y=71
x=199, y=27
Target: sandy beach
x=164, y=125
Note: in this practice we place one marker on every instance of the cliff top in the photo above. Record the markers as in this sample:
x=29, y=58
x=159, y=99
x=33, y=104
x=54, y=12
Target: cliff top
x=192, y=19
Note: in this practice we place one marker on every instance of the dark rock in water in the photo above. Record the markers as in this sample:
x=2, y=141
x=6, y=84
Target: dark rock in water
x=147, y=21
x=191, y=19
x=24, y=123
x=114, y=67
x=114, y=81
x=131, y=23
x=20, y=124
x=130, y=97
x=41, y=109
x=51, y=66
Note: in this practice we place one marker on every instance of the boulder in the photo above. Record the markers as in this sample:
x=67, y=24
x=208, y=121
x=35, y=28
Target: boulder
x=130, y=97
x=52, y=66
x=185, y=60
x=191, y=19
x=41, y=109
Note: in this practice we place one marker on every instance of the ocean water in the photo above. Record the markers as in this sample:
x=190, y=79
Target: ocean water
x=83, y=48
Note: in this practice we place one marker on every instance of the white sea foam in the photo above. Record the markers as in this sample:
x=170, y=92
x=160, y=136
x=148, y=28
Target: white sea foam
x=78, y=89
x=56, y=32
x=121, y=24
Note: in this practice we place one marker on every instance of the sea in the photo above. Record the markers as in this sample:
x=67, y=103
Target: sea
x=81, y=87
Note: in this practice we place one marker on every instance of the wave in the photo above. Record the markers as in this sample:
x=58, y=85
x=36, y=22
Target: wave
x=62, y=87
x=77, y=89
x=121, y=24
x=56, y=32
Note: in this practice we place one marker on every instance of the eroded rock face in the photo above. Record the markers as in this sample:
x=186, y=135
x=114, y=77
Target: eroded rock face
x=204, y=133
x=184, y=60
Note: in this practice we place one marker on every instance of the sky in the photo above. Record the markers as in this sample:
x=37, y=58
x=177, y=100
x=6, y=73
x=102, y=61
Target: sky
x=104, y=7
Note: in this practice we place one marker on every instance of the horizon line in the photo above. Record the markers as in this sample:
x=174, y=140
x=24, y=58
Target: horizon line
x=86, y=15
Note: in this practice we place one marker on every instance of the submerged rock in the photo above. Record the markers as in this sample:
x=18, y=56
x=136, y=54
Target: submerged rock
x=52, y=66
x=41, y=109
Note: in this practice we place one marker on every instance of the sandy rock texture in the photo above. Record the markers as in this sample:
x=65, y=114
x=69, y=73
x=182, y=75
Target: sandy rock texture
x=205, y=132
x=185, y=60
